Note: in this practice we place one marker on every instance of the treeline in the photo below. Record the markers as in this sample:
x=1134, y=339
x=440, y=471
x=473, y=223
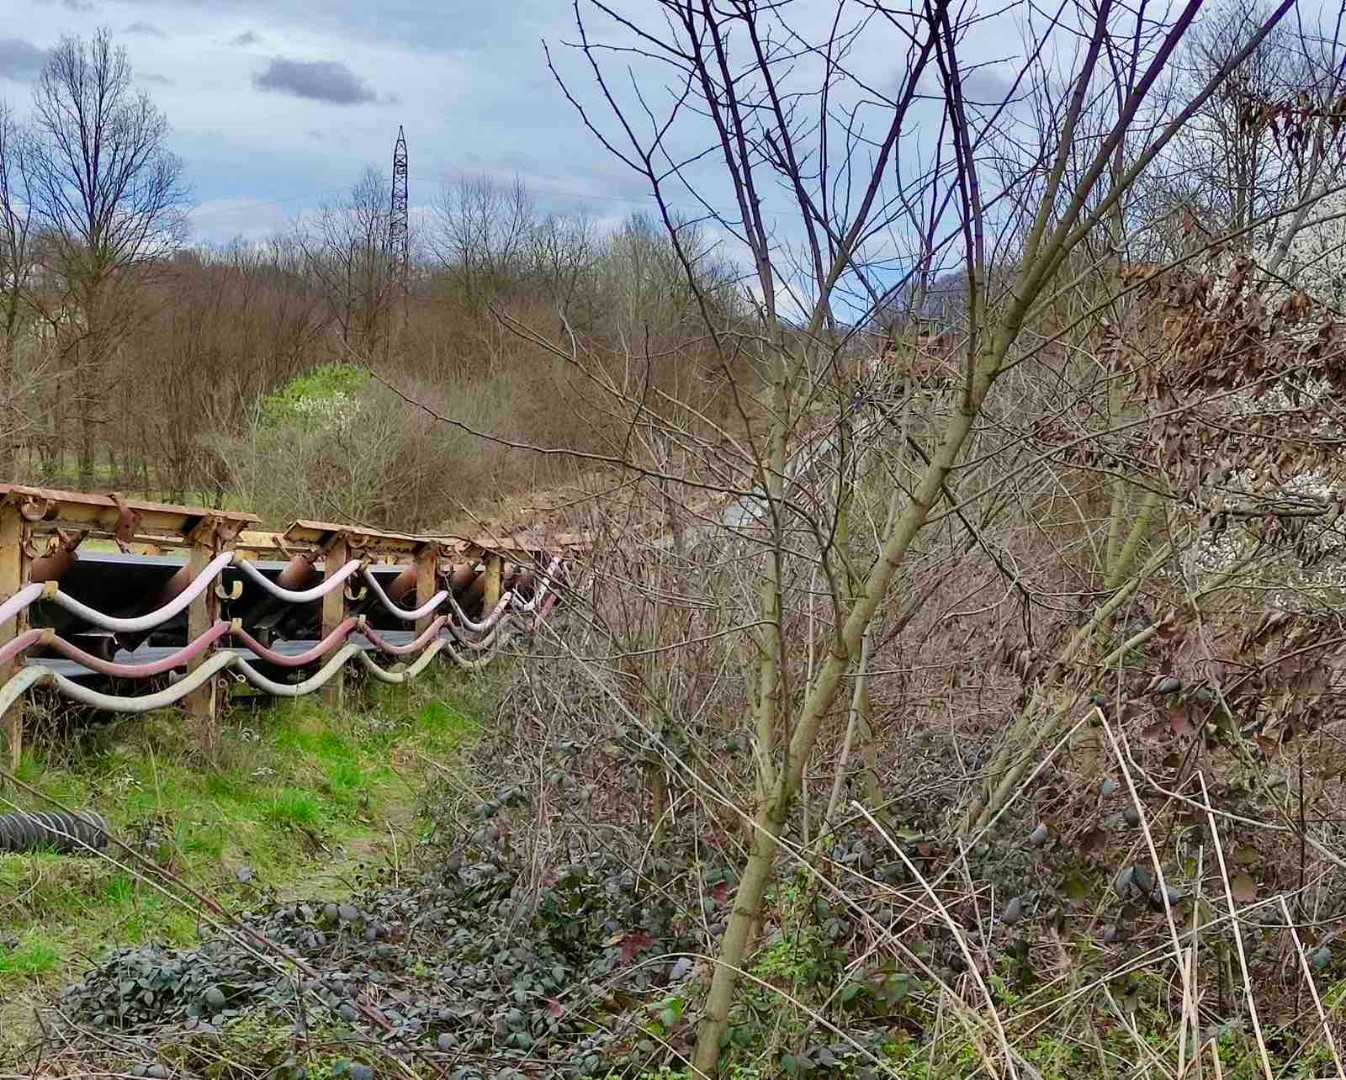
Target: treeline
x=242, y=374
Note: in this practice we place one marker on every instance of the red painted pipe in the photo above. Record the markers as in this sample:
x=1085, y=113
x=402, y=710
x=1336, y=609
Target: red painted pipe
x=299, y=573
x=181, y=658
x=21, y=643
x=326, y=645
x=544, y=608
x=179, y=581
x=424, y=638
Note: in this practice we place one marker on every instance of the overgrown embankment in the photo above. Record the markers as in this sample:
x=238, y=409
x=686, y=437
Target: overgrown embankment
x=297, y=798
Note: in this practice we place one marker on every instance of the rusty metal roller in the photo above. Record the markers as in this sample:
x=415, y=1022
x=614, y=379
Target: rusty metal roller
x=461, y=577
x=67, y=833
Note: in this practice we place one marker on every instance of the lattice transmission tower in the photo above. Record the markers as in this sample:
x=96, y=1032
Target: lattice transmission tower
x=398, y=249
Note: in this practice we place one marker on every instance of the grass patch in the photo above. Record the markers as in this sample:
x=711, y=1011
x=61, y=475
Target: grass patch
x=32, y=955
x=294, y=807
x=298, y=795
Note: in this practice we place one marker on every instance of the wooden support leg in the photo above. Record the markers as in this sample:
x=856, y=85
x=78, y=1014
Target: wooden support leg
x=334, y=611
x=201, y=704
x=13, y=571
x=427, y=580
x=495, y=573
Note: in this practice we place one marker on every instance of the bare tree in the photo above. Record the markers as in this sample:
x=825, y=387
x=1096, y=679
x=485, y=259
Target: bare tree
x=839, y=196
x=107, y=195
x=17, y=265
x=1255, y=158
x=485, y=230
x=346, y=248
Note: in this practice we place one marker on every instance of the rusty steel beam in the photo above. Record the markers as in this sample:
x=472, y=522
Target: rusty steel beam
x=360, y=541
x=111, y=515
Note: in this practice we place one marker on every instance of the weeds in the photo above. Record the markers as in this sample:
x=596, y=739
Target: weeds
x=33, y=954
x=300, y=797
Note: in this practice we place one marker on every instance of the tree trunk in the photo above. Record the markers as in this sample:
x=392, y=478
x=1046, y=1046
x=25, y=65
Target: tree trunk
x=817, y=705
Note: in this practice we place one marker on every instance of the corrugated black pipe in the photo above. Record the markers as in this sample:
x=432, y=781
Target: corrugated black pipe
x=67, y=833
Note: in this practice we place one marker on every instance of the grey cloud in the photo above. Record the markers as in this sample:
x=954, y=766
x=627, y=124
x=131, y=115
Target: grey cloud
x=20, y=60
x=157, y=80
x=78, y=5
x=317, y=80
x=248, y=37
x=142, y=27
x=989, y=86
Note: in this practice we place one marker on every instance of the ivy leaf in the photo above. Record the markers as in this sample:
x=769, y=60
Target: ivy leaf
x=1243, y=889
x=634, y=942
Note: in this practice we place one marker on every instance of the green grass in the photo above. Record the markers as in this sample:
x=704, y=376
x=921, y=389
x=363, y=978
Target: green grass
x=297, y=796
x=33, y=954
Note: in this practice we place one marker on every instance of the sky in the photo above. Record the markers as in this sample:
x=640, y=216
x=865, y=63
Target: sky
x=278, y=105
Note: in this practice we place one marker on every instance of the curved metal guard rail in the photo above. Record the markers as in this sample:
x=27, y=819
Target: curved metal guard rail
x=454, y=637
x=21, y=601
x=486, y=640
x=491, y=619
x=401, y=612
x=296, y=596
x=48, y=639
x=317, y=652
x=30, y=594
x=410, y=671
x=35, y=674
x=470, y=665
x=542, y=591
x=383, y=645
x=150, y=619
x=316, y=681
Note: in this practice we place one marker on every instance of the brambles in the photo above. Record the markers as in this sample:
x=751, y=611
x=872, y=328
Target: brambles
x=459, y=958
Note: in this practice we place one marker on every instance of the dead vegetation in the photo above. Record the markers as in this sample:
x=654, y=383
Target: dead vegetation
x=957, y=670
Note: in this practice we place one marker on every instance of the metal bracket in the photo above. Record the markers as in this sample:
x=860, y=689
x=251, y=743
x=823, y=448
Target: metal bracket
x=218, y=532
x=59, y=542
x=128, y=521
x=35, y=509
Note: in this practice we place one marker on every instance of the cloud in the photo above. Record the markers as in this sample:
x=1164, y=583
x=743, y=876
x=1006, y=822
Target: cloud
x=20, y=60
x=248, y=37
x=318, y=80
x=157, y=80
x=78, y=5
x=142, y=27
x=249, y=218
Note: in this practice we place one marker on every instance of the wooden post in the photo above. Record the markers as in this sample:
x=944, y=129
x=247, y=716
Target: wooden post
x=427, y=579
x=334, y=609
x=201, y=704
x=13, y=571
x=495, y=572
